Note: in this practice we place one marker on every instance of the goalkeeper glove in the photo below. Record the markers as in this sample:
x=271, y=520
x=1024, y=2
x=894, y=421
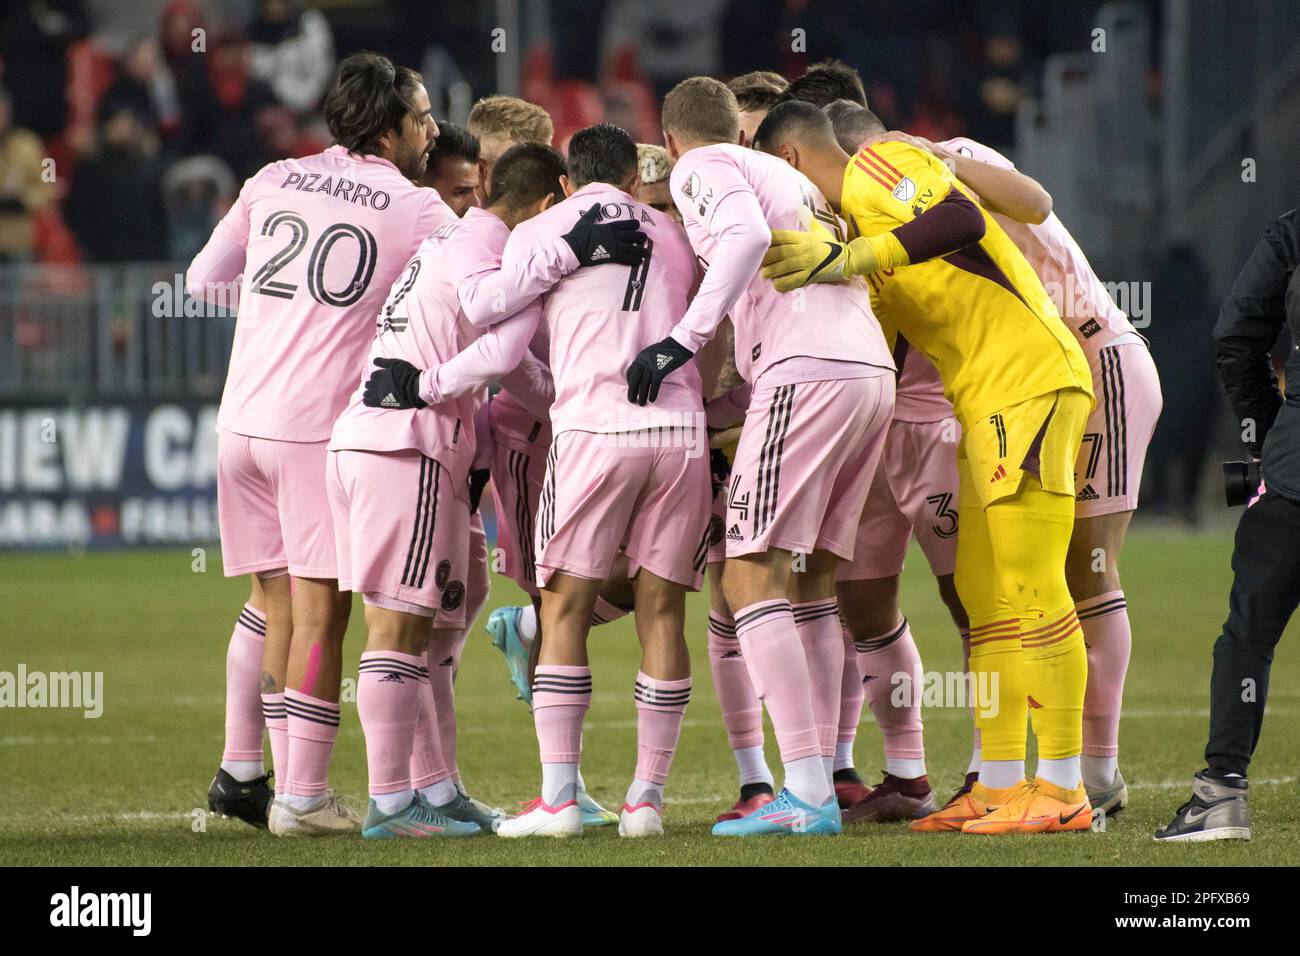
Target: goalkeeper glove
x=395, y=384
x=654, y=364
x=794, y=259
x=602, y=243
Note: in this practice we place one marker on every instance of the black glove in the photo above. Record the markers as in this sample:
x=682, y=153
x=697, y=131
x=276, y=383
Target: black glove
x=652, y=366
x=602, y=243
x=395, y=384
x=478, y=479
x=719, y=470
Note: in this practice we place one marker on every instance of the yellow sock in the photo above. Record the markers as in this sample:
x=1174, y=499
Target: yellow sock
x=1056, y=677
x=997, y=664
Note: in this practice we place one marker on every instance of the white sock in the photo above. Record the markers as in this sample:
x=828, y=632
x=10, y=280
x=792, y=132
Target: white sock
x=806, y=779
x=295, y=802
x=844, y=755
x=244, y=770
x=999, y=774
x=645, y=791
x=560, y=782
x=974, y=765
x=1064, y=773
x=1099, y=771
x=392, y=802
x=829, y=764
x=753, y=766
x=908, y=768
x=439, y=794
x=527, y=622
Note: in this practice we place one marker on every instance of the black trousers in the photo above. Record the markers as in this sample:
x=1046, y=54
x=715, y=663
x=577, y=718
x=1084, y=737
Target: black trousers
x=1265, y=593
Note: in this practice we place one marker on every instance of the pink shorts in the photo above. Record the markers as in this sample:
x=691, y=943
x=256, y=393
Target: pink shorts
x=402, y=531
x=914, y=493
x=477, y=577
x=272, y=507
x=1108, y=471
x=718, y=529
x=804, y=463
x=518, y=464
x=604, y=492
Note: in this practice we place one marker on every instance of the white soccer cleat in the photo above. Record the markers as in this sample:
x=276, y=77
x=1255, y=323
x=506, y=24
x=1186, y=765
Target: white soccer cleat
x=327, y=815
x=643, y=820
x=539, y=820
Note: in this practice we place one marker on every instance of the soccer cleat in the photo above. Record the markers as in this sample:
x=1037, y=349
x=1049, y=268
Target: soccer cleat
x=537, y=819
x=417, y=819
x=593, y=814
x=503, y=625
x=643, y=820
x=894, y=799
x=1110, y=799
x=247, y=800
x=1217, y=811
x=787, y=815
x=850, y=789
x=968, y=803
x=327, y=815
x=466, y=809
x=753, y=796
x=1041, y=807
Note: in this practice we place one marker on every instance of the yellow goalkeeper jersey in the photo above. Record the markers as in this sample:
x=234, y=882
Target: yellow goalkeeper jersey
x=980, y=314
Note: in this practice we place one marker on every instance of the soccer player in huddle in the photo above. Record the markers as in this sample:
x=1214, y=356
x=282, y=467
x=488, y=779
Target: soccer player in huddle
x=822, y=396
x=617, y=478
x=453, y=168
x=318, y=241
x=756, y=93
x=948, y=278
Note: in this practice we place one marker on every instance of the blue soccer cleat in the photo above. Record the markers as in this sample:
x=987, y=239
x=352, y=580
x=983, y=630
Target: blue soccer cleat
x=418, y=819
x=787, y=815
x=503, y=625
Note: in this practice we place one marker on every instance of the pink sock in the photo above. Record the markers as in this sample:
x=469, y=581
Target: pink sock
x=778, y=669
x=561, y=696
x=851, y=692
x=313, y=727
x=660, y=706
x=427, y=764
x=244, y=722
x=742, y=711
x=444, y=657
x=1109, y=640
x=820, y=631
x=277, y=728
x=604, y=612
x=891, y=664
x=389, y=687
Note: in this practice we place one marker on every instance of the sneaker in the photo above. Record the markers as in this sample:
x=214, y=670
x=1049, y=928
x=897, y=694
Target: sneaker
x=968, y=803
x=753, y=796
x=643, y=820
x=894, y=799
x=850, y=789
x=1110, y=799
x=247, y=800
x=327, y=815
x=466, y=809
x=417, y=819
x=593, y=814
x=503, y=625
x=1217, y=811
x=1041, y=807
x=538, y=819
x=787, y=815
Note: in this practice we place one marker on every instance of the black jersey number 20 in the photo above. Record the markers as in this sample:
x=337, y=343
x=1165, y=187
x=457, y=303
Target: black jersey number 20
x=264, y=282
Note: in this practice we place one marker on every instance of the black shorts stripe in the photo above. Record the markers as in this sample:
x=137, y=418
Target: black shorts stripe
x=525, y=530
x=418, y=524
x=702, y=552
x=1121, y=418
x=768, y=484
x=436, y=483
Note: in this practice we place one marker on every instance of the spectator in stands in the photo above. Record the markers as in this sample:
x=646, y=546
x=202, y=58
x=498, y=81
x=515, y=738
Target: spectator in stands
x=115, y=205
x=23, y=189
x=195, y=192
x=453, y=167
x=145, y=86
x=238, y=98
x=35, y=40
x=189, y=69
x=292, y=52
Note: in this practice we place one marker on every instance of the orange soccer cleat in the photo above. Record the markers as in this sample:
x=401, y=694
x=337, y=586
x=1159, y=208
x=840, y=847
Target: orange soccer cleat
x=1041, y=807
x=967, y=804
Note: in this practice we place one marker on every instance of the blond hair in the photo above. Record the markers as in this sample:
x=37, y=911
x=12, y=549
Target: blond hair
x=510, y=118
x=651, y=163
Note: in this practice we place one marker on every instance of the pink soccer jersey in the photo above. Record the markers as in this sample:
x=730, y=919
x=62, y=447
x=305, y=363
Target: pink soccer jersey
x=730, y=197
x=323, y=237
x=1085, y=305
x=920, y=395
x=599, y=318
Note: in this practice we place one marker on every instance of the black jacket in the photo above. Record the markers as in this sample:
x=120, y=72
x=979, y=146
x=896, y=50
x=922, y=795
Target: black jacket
x=1249, y=324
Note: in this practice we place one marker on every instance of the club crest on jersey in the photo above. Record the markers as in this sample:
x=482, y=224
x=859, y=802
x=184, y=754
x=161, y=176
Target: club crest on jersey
x=905, y=191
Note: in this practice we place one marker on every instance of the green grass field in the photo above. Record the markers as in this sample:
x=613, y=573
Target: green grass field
x=121, y=789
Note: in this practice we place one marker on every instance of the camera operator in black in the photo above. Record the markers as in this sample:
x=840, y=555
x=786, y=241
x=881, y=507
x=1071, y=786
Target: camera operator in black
x=1266, y=552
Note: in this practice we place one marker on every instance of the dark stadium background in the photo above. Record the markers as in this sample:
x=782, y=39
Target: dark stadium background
x=1167, y=146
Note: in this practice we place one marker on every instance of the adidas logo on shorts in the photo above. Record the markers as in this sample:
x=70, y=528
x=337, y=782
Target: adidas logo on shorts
x=733, y=533
x=998, y=474
x=599, y=254
x=1087, y=494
